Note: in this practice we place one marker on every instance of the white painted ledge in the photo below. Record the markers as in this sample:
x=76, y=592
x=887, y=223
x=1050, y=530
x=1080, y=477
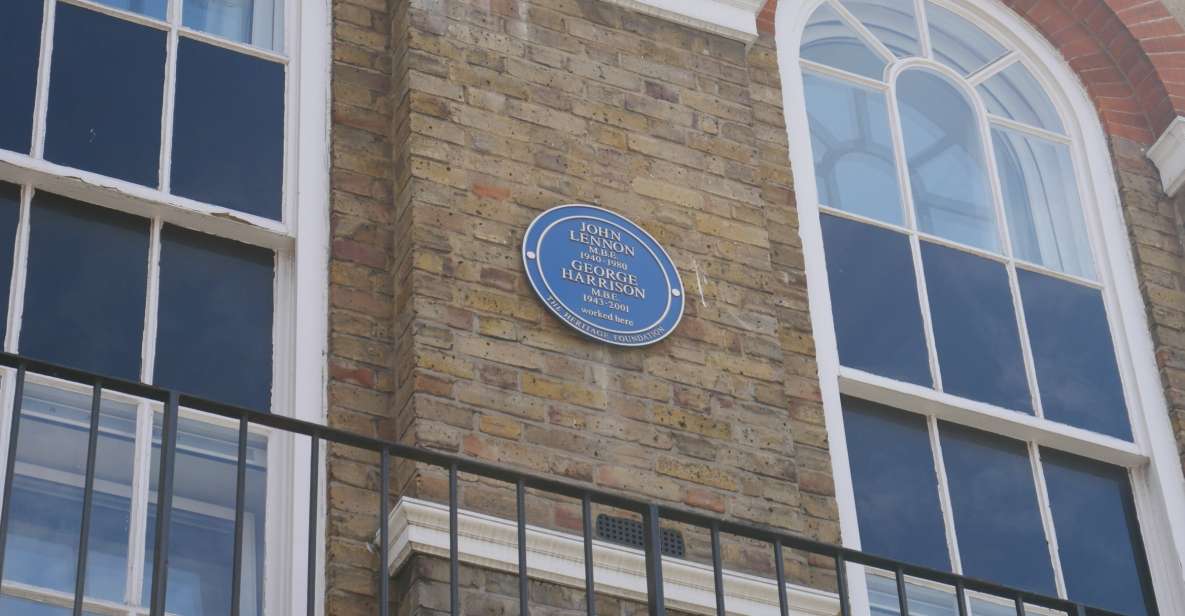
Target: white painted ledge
x=557, y=557
x=1168, y=154
x=735, y=19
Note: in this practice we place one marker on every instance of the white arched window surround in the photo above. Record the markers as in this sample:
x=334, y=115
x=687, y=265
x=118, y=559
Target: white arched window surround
x=1157, y=482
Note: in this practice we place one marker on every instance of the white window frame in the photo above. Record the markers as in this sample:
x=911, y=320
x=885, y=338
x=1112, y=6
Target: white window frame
x=1152, y=459
x=301, y=284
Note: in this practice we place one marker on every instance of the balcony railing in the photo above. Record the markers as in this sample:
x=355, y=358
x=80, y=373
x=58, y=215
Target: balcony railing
x=652, y=514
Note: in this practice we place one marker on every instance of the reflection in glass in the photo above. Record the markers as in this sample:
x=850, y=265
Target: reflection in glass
x=893, y=478
x=151, y=8
x=975, y=330
x=42, y=546
x=874, y=301
x=20, y=46
x=1015, y=94
x=1098, y=534
x=1077, y=373
x=994, y=503
x=1041, y=202
x=959, y=43
x=829, y=40
x=892, y=22
x=201, y=540
x=256, y=22
x=947, y=171
x=923, y=600
x=855, y=169
x=106, y=94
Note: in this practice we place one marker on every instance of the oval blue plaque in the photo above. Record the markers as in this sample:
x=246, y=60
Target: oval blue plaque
x=603, y=275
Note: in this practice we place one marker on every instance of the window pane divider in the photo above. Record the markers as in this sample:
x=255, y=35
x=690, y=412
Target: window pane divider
x=1027, y=129
x=151, y=304
x=242, y=48
x=16, y=291
x=829, y=71
x=118, y=13
x=141, y=486
x=948, y=512
x=41, y=98
x=144, y=201
x=998, y=420
x=909, y=213
x=922, y=23
x=992, y=69
x=861, y=31
x=1043, y=506
x=168, y=100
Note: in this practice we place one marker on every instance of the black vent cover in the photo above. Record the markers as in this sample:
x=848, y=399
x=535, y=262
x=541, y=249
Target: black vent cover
x=629, y=532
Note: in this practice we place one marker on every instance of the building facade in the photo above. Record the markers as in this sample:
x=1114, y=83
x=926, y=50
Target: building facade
x=931, y=269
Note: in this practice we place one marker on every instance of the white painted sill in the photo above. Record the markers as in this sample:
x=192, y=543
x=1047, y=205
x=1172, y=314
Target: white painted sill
x=734, y=19
x=418, y=526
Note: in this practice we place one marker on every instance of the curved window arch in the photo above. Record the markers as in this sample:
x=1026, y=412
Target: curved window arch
x=970, y=307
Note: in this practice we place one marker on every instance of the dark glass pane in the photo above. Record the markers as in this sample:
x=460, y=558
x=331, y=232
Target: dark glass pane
x=10, y=213
x=895, y=484
x=995, y=509
x=1076, y=369
x=975, y=328
x=874, y=300
x=1098, y=535
x=20, y=46
x=84, y=295
x=214, y=329
x=105, y=95
x=228, y=129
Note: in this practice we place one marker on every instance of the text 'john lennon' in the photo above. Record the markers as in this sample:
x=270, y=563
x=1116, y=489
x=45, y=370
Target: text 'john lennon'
x=602, y=266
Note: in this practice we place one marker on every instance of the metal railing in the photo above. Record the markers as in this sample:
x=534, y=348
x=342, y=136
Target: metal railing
x=652, y=514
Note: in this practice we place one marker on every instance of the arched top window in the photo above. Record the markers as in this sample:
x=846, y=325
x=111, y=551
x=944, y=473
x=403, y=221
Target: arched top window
x=975, y=328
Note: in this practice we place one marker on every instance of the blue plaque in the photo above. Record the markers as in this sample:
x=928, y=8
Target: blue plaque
x=603, y=275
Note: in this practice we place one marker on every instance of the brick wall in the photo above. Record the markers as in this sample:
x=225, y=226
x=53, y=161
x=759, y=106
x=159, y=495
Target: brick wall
x=456, y=123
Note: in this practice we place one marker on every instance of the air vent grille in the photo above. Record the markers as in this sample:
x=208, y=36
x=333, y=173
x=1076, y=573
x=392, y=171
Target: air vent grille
x=625, y=531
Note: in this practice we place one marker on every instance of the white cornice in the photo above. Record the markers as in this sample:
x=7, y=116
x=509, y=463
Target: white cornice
x=735, y=19
x=1168, y=154
x=557, y=557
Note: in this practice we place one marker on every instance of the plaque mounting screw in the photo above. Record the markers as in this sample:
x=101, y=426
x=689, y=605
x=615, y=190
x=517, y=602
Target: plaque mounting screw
x=676, y=292
x=530, y=254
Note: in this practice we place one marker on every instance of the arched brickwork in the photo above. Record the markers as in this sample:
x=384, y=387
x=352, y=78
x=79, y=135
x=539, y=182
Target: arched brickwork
x=1129, y=53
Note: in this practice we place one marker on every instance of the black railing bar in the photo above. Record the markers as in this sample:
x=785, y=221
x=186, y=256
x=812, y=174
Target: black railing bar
x=652, y=538
x=902, y=591
x=10, y=466
x=524, y=582
x=314, y=514
x=1020, y=605
x=717, y=570
x=88, y=496
x=384, y=532
x=961, y=597
x=164, y=506
x=454, y=560
x=841, y=585
x=236, y=581
x=780, y=576
x=502, y=473
x=586, y=523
